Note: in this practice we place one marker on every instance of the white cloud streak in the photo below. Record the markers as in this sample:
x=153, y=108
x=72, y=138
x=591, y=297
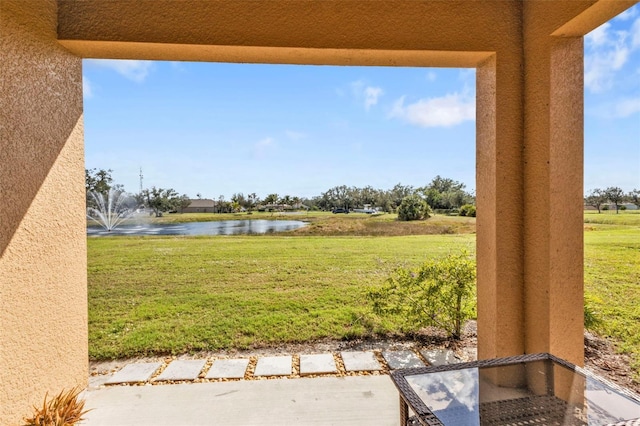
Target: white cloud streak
x=133, y=70
x=608, y=49
x=446, y=111
x=606, y=52
x=369, y=95
x=627, y=107
x=627, y=14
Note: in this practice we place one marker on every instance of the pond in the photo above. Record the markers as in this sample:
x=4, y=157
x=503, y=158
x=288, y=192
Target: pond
x=223, y=227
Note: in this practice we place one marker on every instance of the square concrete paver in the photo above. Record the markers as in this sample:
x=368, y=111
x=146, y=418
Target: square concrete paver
x=360, y=361
x=317, y=364
x=228, y=369
x=134, y=373
x=274, y=366
x=182, y=370
x=402, y=359
x=436, y=357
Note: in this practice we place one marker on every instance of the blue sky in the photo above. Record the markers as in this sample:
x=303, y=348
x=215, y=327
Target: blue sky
x=216, y=129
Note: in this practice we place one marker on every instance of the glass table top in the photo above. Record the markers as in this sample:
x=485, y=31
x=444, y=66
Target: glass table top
x=541, y=389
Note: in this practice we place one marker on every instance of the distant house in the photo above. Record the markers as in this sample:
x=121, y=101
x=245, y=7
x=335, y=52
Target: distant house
x=200, y=205
x=274, y=207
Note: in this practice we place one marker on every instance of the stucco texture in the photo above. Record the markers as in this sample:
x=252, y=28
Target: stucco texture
x=43, y=319
x=528, y=56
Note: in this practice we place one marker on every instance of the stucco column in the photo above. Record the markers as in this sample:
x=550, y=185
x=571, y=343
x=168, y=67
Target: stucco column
x=499, y=180
x=553, y=171
x=43, y=295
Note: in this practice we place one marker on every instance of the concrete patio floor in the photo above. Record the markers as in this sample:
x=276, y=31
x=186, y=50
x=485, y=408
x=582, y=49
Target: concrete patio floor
x=352, y=401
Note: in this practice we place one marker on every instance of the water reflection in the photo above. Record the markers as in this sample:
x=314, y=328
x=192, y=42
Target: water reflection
x=451, y=395
x=225, y=227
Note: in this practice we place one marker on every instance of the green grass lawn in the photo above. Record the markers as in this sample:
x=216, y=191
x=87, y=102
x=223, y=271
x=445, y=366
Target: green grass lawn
x=153, y=295
x=156, y=295
x=612, y=284
x=624, y=218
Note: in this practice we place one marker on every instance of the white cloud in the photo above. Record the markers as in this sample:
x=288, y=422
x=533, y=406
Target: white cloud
x=627, y=107
x=295, y=136
x=431, y=76
x=599, y=36
x=620, y=108
x=467, y=75
x=369, y=95
x=635, y=34
x=607, y=51
x=131, y=69
x=628, y=14
x=445, y=111
x=86, y=88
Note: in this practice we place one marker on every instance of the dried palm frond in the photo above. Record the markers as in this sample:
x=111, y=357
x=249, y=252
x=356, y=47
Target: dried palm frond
x=63, y=410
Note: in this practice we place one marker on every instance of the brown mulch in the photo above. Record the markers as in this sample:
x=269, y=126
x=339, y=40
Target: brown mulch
x=601, y=358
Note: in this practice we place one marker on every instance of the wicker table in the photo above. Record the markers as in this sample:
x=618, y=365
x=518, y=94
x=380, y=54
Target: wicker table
x=538, y=389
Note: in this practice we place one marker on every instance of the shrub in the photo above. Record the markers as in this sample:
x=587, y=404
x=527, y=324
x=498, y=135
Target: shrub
x=439, y=293
x=605, y=207
x=63, y=410
x=623, y=207
x=468, y=210
x=413, y=207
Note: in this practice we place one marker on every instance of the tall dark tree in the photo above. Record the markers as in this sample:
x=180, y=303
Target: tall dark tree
x=286, y=200
x=252, y=201
x=239, y=200
x=98, y=180
x=271, y=199
x=184, y=202
x=398, y=193
x=161, y=200
x=596, y=198
x=445, y=193
x=221, y=205
x=615, y=195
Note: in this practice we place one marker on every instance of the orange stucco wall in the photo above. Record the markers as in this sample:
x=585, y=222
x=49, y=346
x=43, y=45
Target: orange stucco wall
x=43, y=301
x=528, y=56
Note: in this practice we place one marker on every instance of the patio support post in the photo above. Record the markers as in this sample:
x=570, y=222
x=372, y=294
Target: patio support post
x=43, y=272
x=553, y=188
x=499, y=200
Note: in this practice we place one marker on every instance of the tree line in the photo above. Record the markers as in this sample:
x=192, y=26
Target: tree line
x=601, y=198
x=440, y=194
